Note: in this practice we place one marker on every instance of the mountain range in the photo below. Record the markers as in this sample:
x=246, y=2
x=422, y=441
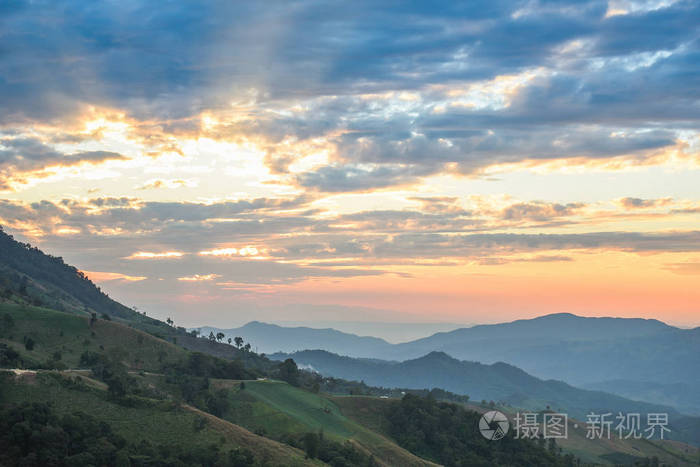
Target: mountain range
x=641, y=359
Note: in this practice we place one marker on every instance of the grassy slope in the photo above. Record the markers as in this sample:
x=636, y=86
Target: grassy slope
x=369, y=412
x=72, y=334
x=154, y=421
x=276, y=407
x=280, y=409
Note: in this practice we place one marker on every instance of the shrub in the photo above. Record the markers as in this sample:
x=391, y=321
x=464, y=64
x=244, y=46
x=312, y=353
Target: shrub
x=29, y=343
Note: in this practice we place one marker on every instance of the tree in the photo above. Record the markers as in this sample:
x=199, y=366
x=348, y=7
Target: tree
x=170, y=321
x=217, y=403
x=29, y=343
x=311, y=443
x=8, y=322
x=8, y=356
x=238, y=341
x=219, y=336
x=289, y=372
x=116, y=385
x=247, y=347
x=23, y=286
x=212, y=337
x=229, y=341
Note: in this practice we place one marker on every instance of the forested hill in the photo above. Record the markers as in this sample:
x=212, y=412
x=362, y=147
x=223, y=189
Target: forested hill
x=29, y=275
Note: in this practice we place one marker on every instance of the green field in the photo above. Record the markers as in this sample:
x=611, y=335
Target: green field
x=278, y=409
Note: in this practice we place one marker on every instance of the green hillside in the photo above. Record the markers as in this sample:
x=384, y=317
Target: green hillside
x=60, y=339
x=371, y=412
x=161, y=425
x=278, y=410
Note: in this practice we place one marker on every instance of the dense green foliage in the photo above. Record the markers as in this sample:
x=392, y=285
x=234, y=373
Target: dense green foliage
x=289, y=372
x=9, y=357
x=34, y=435
x=448, y=434
x=333, y=453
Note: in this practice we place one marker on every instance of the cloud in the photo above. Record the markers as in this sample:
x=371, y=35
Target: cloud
x=686, y=268
x=636, y=203
x=378, y=82
x=350, y=178
x=159, y=255
x=545, y=259
x=199, y=278
x=438, y=204
x=99, y=277
x=22, y=158
x=173, y=183
x=540, y=211
x=272, y=242
x=246, y=251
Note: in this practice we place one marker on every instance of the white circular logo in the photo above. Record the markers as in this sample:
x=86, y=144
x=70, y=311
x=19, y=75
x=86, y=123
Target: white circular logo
x=493, y=425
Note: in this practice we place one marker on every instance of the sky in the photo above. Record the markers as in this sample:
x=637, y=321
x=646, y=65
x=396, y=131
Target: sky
x=447, y=162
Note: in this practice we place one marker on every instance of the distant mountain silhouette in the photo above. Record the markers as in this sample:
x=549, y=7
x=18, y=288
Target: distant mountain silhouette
x=586, y=352
x=269, y=338
x=497, y=381
x=549, y=328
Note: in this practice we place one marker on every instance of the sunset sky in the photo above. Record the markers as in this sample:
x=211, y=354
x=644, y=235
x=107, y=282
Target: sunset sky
x=217, y=162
